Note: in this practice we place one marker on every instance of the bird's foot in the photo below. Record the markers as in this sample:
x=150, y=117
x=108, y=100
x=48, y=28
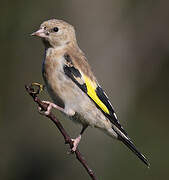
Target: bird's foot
x=75, y=143
x=49, y=108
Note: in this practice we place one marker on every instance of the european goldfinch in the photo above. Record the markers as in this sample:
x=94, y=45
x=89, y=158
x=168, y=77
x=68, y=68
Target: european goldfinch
x=72, y=85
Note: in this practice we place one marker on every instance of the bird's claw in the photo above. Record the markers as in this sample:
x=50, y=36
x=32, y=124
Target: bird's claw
x=47, y=112
x=41, y=111
x=75, y=143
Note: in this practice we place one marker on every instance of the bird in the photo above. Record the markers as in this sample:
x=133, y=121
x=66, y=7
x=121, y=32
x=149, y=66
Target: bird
x=73, y=86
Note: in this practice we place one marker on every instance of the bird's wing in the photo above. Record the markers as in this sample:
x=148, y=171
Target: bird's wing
x=93, y=90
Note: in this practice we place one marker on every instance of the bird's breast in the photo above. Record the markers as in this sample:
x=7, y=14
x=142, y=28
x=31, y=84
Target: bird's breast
x=58, y=84
x=62, y=88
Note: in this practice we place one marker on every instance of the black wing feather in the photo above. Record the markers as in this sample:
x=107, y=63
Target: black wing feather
x=72, y=72
x=112, y=117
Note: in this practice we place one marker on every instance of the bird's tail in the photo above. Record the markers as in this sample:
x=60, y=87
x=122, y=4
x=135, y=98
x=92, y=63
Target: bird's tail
x=126, y=140
x=131, y=146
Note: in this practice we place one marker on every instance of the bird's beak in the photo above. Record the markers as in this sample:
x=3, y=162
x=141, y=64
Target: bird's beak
x=39, y=33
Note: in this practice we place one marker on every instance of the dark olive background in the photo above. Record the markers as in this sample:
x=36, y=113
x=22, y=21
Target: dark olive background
x=127, y=44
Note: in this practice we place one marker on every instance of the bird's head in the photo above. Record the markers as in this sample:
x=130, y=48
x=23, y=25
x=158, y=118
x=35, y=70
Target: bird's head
x=56, y=33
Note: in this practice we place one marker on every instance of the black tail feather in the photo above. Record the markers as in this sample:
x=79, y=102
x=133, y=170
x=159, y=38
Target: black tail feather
x=131, y=146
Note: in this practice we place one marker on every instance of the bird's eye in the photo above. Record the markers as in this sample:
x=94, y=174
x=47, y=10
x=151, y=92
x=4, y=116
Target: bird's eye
x=55, y=29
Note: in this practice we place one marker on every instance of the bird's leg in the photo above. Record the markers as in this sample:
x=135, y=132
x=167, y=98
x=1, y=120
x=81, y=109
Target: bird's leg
x=77, y=140
x=50, y=106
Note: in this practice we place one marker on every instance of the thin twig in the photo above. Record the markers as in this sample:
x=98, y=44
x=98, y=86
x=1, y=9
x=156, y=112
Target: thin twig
x=67, y=138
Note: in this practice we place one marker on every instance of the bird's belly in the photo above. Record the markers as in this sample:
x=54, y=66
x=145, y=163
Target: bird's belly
x=74, y=99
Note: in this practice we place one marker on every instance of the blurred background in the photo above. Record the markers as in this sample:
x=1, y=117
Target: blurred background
x=127, y=44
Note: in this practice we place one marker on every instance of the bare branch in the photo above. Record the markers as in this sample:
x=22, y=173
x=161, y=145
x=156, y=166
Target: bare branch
x=67, y=138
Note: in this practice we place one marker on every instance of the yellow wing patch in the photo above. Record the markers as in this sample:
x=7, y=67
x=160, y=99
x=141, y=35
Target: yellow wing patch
x=91, y=87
